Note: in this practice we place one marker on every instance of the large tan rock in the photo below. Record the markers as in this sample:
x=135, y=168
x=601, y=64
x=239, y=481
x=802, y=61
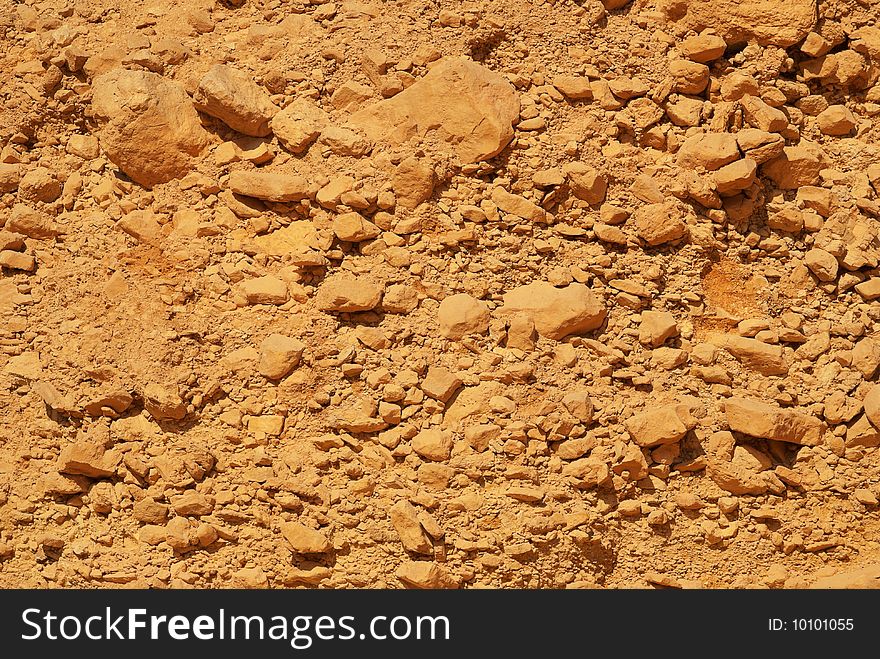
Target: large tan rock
x=758, y=419
x=710, y=151
x=265, y=290
x=762, y=357
x=433, y=444
x=557, y=312
x=660, y=223
x=304, y=540
x=867, y=577
x=703, y=47
x=234, y=98
x=87, y=458
x=797, y=166
x=656, y=327
x=344, y=292
x=769, y=22
x=822, y=264
x=688, y=77
x=405, y=520
x=10, y=175
x=413, y=182
x=164, y=402
x=760, y=145
x=516, y=205
x=586, y=182
x=459, y=103
x=738, y=470
x=735, y=177
x=872, y=405
x=279, y=355
x=354, y=228
x=148, y=125
x=762, y=116
x=587, y=473
x=866, y=357
x=460, y=315
x=440, y=383
x=32, y=223
x=298, y=125
x=862, y=433
x=836, y=120
x=661, y=425
x=39, y=184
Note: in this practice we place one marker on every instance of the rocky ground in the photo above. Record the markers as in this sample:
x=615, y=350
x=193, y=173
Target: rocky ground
x=524, y=293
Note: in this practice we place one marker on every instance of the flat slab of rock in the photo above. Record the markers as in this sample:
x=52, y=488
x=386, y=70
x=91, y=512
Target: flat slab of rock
x=269, y=186
x=766, y=21
x=87, y=459
x=556, y=312
x=758, y=419
x=148, y=125
x=462, y=103
x=756, y=355
x=346, y=293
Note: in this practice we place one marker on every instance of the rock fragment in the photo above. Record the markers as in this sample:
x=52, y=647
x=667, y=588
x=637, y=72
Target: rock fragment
x=758, y=419
x=517, y=205
x=148, y=126
x=659, y=426
x=797, y=166
x=762, y=357
x=836, y=120
x=586, y=183
x=659, y=223
x=556, y=312
x=232, y=96
x=304, y=540
x=740, y=21
x=735, y=177
x=32, y=223
x=164, y=402
x=354, y=228
x=440, y=384
x=269, y=186
x=343, y=292
x=279, y=355
x=433, y=444
x=298, y=125
x=413, y=182
x=703, y=47
x=265, y=290
x=822, y=264
x=405, y=519
x=465, y=104
x=710, y=151
x=426, y=574
x=87, y=458
x=460, y=315
x=656, y=327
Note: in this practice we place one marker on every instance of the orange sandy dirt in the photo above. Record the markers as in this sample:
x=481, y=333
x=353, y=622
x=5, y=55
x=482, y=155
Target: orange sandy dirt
x=421, y=294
